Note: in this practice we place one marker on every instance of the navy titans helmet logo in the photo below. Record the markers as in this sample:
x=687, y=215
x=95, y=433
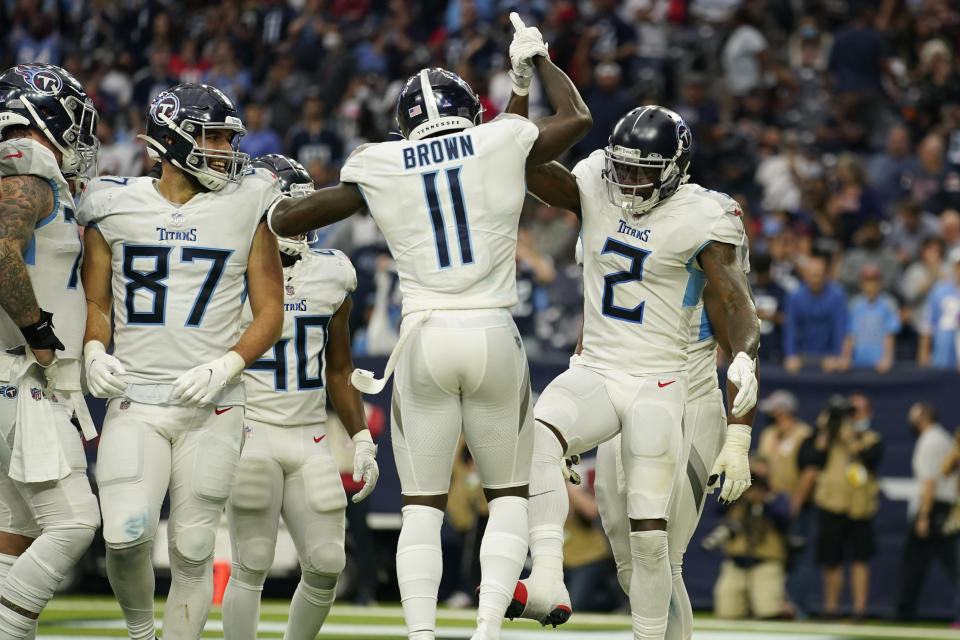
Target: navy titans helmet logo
x=45, y=81
x=684, y=136
x=166, y=104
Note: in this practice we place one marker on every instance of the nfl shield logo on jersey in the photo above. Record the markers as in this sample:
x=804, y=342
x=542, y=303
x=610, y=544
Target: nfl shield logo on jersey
x=36, y=394
x=124, y=405
x=176, y=218
x=290, y=290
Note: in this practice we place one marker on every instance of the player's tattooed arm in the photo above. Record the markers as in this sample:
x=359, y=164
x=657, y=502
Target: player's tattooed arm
x=323, y=207
x=718, y=322
x=23, y=201
x=95, y=274
x=265, y=288
x=553, y=184
x=345, y=398
x=729, y=283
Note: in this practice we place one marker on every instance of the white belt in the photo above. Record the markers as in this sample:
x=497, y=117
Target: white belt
x=63, y=379
x=232, y=394
x=364, y=380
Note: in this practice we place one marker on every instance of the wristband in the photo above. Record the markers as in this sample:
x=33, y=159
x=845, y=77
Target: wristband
x=40, y=335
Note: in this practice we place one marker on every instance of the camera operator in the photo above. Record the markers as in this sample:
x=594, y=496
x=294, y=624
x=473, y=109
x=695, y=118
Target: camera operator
x=840, y=461
x=752, y=534
x=927, y=509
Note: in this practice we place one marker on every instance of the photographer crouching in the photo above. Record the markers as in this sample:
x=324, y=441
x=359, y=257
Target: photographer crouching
x=752, y=535
x=840, y=461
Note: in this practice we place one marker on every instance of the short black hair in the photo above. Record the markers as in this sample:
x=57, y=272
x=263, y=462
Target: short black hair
x=16, y=131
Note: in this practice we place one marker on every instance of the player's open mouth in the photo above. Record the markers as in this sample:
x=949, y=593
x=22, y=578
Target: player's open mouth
x=218, y=165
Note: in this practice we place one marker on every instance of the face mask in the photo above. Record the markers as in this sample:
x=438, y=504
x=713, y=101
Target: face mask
x=861, y=425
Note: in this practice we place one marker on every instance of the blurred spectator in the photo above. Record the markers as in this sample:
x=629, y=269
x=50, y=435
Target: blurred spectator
x=588, y=567
x=608, y=101
x=37, y=40
x=938, y=326
x=534, y=272
x=153, y=79
x=463, y=524
x=608, y=38
x=893, y=169
x=870, y=251
x=858, y=60
x=950, y=232
x=122, y=157
x=312, y=137
x=744, y=55
x=815, y=320
x=752, y=575
x=770, y=299
x=846, y=453
x=554, y=232
x=927, y=182
x=874, y=322
x=911, y=228
x=920, y=277
x=853, y=200
x=187, y=64
x=780, y=171
x=927, y=510
x=939, y=84
x=809, y=46
x=779, y=445
x=261, y=138
x=225, y=74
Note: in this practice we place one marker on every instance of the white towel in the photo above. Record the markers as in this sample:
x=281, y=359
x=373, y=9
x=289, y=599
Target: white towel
x=364, y=380
x=37, y=455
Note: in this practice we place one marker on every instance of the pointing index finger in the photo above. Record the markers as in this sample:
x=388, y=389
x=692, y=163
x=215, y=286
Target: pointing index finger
x=517, y=21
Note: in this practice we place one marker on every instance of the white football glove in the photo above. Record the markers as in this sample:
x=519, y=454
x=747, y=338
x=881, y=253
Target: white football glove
x=527, y=43
x=742, y=372
x=365, y=464
x=734, y=462
x=202, y=383
x=103, y=371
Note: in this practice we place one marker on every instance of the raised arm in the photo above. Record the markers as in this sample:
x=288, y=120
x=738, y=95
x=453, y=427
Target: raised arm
x=571, y=120
x=323, y=207
x=24, y=200
x=553, y=184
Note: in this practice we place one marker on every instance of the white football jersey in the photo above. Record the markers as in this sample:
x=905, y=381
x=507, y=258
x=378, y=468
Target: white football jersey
x=54, y=253
x=287, y=386
x=642, y=281
x=702, y=356
x=178, y=270
x=449, y=208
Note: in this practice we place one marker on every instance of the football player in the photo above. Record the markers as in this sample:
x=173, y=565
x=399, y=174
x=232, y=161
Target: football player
x=48, y=514
x=649, y=239
x=705, y=422
x=287, y=467
x=173, y=259
x=447, y=197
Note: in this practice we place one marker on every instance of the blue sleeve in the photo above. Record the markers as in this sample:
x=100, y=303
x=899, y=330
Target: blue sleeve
x=851, y=319
x=790, y=324
x=893, y=318
x=839, y=320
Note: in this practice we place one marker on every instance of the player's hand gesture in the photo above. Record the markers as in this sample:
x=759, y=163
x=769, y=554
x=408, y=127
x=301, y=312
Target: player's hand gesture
x=104, y=372
x=201, y=384
x=365, y=464
x=743, y=373
x=734, y=462
x=527, y=44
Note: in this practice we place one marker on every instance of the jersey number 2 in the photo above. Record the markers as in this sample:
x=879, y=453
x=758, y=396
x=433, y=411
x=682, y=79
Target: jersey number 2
x=153, y=281
x=633, y=274
x=459, y=215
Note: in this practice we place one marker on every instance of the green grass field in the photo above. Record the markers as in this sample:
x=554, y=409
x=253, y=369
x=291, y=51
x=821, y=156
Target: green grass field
x=99, y=617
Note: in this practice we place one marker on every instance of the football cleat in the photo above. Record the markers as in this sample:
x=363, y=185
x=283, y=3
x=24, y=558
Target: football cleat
x=540, y=603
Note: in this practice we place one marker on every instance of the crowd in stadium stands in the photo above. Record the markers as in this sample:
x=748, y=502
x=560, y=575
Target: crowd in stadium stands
x=843, y=145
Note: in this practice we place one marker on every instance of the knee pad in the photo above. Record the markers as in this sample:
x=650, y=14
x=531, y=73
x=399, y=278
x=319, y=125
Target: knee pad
x=324, y=557
x=195, y=544
x=317, y=580
x=253, y=490
x=648, y=547
x=255, y=554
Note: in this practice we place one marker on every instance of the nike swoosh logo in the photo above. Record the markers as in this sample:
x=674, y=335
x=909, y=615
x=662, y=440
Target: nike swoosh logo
x=219, y=411
x=18, y=154
x=316, y=439
x=664, y=384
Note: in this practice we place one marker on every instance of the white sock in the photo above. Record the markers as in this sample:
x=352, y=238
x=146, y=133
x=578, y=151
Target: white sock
x=130, y=572
x=190, y=597
x=548, y=506
x=310, y=605
x=680, y=616
x=651, y=584
x=241, y=603
x=502, y=553
x=419, y=567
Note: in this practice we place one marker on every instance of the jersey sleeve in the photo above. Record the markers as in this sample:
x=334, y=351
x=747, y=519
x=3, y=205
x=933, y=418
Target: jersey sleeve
x=588, y=175
x=726, y=227
x=352, y=170
x=26, y=157
x=524, y=132
x=346, y=271
x=90, y=206
x=269, y=191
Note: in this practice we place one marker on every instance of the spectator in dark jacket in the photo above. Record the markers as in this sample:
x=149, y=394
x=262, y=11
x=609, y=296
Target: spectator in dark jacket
x=815, y=320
